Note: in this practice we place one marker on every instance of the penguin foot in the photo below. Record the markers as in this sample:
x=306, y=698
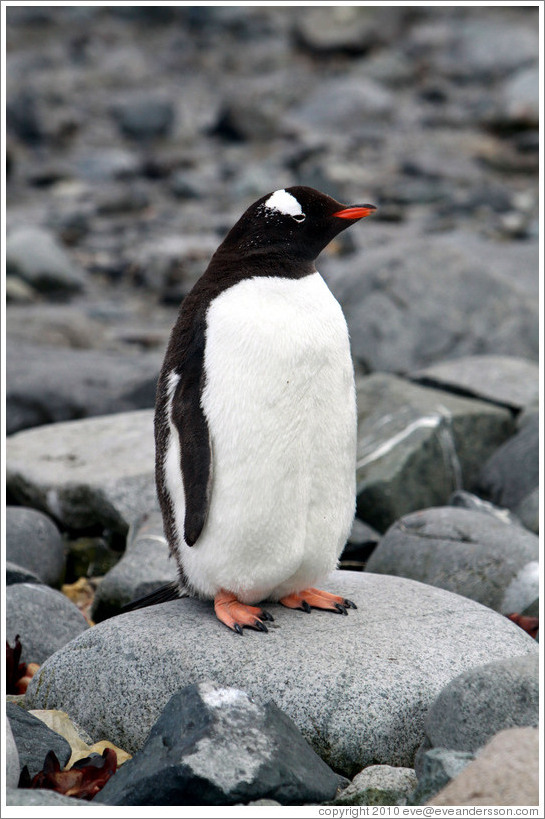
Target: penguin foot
x=237, y=615
x=311, y=598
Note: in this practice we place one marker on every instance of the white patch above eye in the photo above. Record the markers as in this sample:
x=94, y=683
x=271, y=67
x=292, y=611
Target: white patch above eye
x=284, y=202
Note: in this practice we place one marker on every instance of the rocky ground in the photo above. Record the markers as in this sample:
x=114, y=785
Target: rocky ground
x=136, y=137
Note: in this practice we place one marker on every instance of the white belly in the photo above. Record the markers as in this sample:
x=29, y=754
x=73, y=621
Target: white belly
x=280, y=404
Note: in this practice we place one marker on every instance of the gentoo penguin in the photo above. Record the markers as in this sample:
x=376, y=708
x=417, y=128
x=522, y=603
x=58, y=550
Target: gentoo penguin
x=255, y=422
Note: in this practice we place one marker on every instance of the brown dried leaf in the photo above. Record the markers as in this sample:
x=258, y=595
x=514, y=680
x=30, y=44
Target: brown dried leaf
x=83, y=780
x=529, y=624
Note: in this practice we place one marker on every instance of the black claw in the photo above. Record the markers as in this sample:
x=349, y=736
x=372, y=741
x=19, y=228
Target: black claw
x=349, y=604
x=340, y=609
x=266, y=615
x=260, y=626
x=237, y=628
x=305, y=606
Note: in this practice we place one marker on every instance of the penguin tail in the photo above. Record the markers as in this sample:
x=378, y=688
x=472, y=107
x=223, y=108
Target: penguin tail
x=163, y=594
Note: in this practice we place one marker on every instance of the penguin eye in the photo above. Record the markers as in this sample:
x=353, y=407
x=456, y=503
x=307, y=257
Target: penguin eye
x=299, y=217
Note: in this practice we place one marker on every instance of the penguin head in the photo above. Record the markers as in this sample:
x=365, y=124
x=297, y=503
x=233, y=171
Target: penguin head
x=297, y=222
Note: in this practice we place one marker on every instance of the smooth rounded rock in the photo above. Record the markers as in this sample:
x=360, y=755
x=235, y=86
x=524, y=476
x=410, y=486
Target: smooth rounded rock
x=44, y=619
x=512, y=472
x=358, y=687
x=34, y=542
x=35, y=255
x=13, y=766
x=466, y=552
x=379, y=785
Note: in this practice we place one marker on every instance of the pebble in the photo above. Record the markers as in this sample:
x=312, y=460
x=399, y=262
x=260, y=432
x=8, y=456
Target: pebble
x=144, y=117
x=45, y=620
x=35, y=255
x=33, y=542
x=475, y=555
x=214, y=745
x=368, y=679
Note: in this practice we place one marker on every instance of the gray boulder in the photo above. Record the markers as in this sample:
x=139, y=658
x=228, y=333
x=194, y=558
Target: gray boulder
x=34, y=740
x=394, y=296
x=436, y=768
x=379, y=785
x=466, y=552
x=44, y=619
x=35, y=256
x=34, y=543
x=393, y=655
x=216, y=746
x=506, y=380
x=467, y=500
x=98, y=471
x=13, y=766
x=50, y=384
x=480, y=702
x=417, y=445
x=511, y=474
x=145, y=566
x=144, y=117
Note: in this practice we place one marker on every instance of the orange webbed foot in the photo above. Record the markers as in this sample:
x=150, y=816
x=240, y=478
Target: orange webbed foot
x=311, y=598
x=237, y=615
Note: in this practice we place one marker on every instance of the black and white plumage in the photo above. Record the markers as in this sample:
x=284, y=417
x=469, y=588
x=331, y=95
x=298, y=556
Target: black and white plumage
x=255, y=420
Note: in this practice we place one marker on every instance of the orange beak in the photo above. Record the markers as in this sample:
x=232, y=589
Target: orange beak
x=355, y=212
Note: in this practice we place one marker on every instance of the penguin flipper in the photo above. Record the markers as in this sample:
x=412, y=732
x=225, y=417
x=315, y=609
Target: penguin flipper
x=195, y=446
x=169, y=591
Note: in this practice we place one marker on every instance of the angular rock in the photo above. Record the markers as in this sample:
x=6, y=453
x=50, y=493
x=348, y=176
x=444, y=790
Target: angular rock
x=216, y=746
x=394, y=296
x=44, y=619
x=34, y=255
x=379, y=785
x=50, y=384
x=417, y=445
x=34, y=542
x=480, y=702
x=466, y=552
x=13, y=766
x=393, y=655
x=505, y=380
x=145, y=566
x=511, y=473
x=41, y=798
x=98, y=471
x=436, y=768
x=34, y=740
x=506, y=772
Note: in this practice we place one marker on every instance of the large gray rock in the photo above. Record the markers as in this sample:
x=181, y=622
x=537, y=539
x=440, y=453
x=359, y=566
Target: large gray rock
x=472, y=554
x=145, y=566
x=34, y=255
x=34, y=740
x=506, y=772
x=480, y=702
x=13, y=766
x=358, y=687
x=98, y=471
x=34, y=543
x=216, y=746
x=417, y=445
x=512, y=382
x=38, y=797
x=410, y=303
x=44, y=619
x=50, y=384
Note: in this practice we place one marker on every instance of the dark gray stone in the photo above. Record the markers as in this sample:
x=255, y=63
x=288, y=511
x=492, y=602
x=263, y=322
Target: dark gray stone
x=18, y=574
x=480, y=702
x=352, y=30
x=395, y=298
x=44, y=619
x=34, y=542
x=51, y=384
x=467, y=500
x=512, y=382
x=98, y=471
x=528, y=510
x=417, y=445
x=511, y=473
x=34, y=740
x=13, y=766
x=367, y=683
x=144, y=117
x=343, y=104
x=34, y=255
x=216, y=746
x=145, y=566
x=472, y=554
x=436, y=768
